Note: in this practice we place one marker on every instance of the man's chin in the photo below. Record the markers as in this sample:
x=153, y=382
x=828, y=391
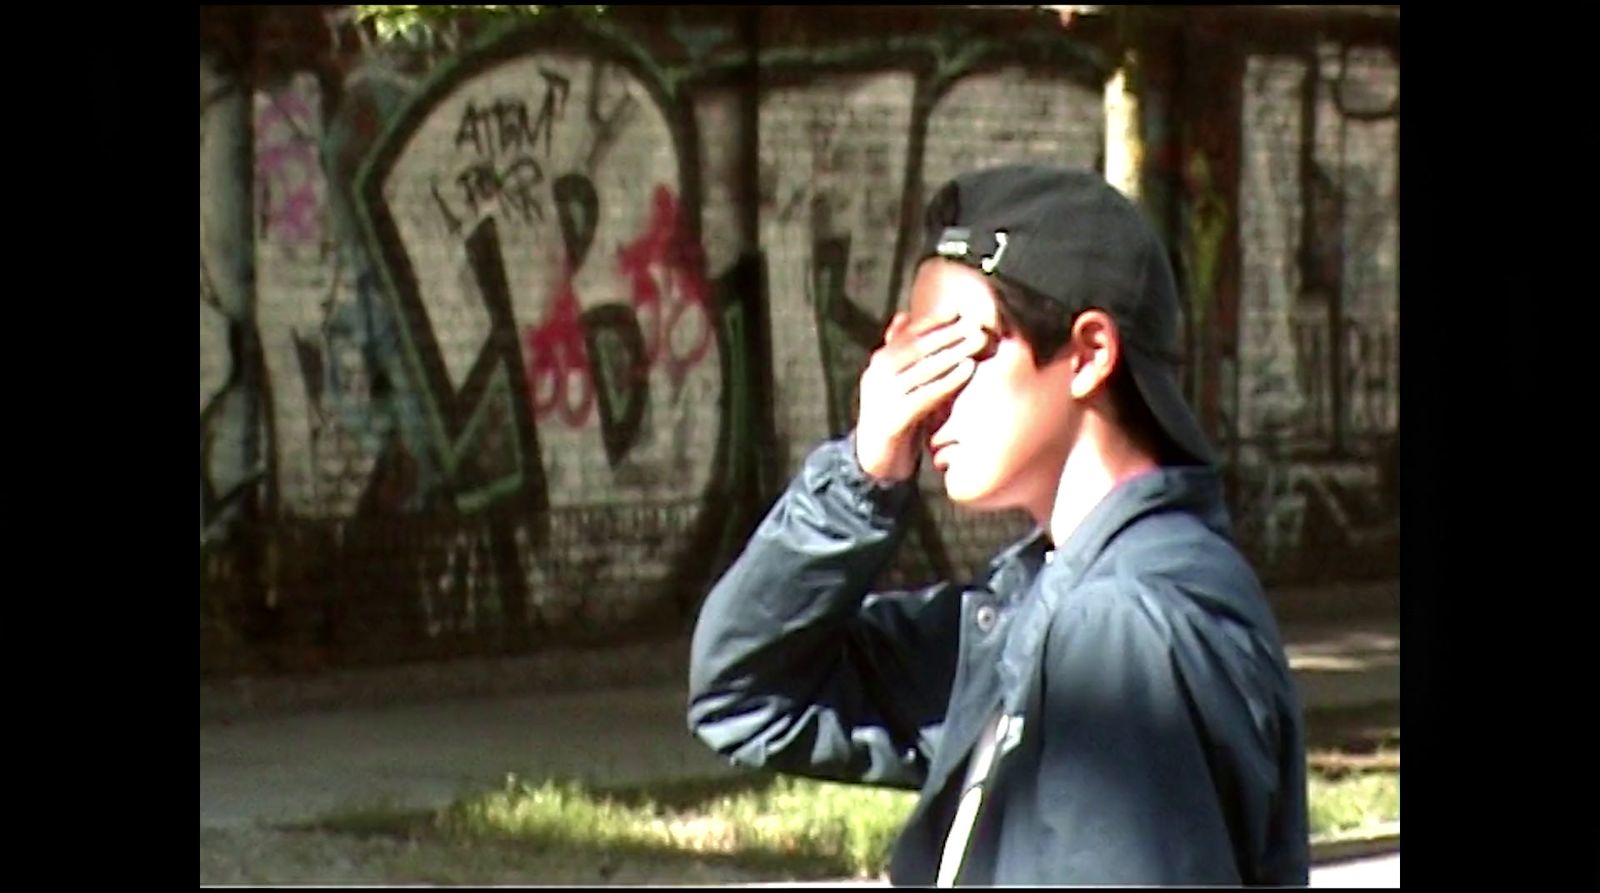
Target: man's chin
x=981, y=495
x=964, y=493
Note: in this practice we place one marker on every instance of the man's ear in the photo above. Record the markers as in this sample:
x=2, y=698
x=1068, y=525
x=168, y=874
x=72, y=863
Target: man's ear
x=1093, y=350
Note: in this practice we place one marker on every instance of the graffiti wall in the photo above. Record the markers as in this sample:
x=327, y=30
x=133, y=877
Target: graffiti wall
x=510, y=338
x=1318, y=372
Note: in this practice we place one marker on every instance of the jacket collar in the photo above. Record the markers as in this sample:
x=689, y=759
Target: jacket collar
x=1195, y=489
x=1192, y=488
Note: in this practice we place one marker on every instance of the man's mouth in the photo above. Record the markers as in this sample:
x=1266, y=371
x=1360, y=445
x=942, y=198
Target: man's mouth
x=940, y=454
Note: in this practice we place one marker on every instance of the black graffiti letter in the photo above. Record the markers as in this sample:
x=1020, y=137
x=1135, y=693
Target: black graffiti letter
x=577, y=209
x=555, y=101
x=511, y=124
x=468, y=130
x=620, y=371
x=479, y=183
x=450, y=220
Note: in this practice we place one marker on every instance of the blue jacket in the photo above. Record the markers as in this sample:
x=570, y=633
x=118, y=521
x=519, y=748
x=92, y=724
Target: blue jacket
x=1153, y=731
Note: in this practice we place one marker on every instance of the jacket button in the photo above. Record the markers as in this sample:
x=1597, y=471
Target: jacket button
x=985, y=618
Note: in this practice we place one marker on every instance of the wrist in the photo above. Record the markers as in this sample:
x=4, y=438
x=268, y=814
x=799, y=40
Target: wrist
x=886, y=464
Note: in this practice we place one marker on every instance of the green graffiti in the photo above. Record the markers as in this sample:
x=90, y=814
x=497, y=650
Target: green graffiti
x=697, y=41
x=487, y=459
x=1206, y=228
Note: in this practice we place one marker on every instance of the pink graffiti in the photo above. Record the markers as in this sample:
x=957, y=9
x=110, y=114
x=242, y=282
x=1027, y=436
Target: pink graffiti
x=663, y=248
x=558, y=373
x=286, y=166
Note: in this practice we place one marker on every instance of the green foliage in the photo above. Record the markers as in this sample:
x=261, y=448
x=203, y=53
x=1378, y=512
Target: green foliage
x=417, y=23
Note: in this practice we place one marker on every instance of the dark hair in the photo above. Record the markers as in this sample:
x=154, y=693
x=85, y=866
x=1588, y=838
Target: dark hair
x=1046, y=325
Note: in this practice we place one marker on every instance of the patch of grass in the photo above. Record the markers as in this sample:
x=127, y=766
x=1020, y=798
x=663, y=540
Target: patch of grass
x=791, y=827
x=1342, y=802
x=797, y=826
x=691, y=793
x=1353, y=772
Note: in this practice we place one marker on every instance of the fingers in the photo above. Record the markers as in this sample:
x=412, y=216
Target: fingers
x=932, y=321
x=935, y=363
x=902, y=325
x=909, y=349
x=934, y=391
x=897, y=325
x=922, y=363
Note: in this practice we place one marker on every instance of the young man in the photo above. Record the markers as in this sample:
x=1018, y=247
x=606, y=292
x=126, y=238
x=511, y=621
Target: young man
x=1109, y=703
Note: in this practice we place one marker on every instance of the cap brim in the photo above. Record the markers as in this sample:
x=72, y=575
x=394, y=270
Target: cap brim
x=1159, y=387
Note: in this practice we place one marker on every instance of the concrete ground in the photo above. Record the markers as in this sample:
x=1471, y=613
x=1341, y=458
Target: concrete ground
x=1377, y=871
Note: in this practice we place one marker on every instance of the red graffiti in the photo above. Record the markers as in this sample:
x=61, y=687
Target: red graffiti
x=558, y=359
x=662, y=254
x=669, y=294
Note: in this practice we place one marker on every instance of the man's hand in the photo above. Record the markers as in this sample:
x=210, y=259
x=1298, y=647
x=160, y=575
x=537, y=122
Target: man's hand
x=919, y=366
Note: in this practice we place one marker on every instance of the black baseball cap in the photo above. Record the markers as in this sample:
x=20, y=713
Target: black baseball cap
x=1068, y=235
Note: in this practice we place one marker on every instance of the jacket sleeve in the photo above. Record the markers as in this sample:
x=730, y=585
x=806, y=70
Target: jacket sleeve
x=1126, y=773
x=796, y=666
